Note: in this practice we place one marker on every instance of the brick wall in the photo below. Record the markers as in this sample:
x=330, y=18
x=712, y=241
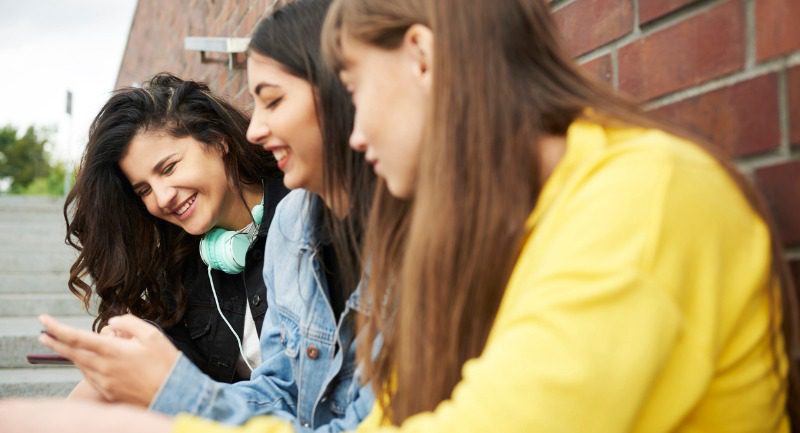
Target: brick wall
x=155, y=42
x=728, y=69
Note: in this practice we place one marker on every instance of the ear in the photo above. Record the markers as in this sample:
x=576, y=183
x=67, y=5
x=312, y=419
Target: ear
x=418, y=48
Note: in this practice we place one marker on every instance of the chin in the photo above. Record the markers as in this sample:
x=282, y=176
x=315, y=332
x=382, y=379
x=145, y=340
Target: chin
x=196, y=230
x=291, y=183
x=399, y=190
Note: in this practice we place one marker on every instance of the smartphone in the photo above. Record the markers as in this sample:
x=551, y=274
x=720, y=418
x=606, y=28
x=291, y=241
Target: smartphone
x=47, y=359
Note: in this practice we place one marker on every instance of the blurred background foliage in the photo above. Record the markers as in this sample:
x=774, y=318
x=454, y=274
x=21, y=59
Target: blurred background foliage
x=26, y=167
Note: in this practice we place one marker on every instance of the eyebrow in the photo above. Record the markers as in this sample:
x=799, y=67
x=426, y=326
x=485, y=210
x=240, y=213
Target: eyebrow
x=261, y=86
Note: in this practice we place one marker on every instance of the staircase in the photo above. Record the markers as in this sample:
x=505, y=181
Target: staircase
x=34, y=267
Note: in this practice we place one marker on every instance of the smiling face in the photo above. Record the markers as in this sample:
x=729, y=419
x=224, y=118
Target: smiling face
x=182, y=181
x=390, y=90
x=285, y=122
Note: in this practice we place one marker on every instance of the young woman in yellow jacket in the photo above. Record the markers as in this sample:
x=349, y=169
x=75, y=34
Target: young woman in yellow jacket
x=545, y=257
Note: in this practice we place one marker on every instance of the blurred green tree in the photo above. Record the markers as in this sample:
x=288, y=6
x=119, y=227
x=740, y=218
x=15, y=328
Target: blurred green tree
x=24, y=160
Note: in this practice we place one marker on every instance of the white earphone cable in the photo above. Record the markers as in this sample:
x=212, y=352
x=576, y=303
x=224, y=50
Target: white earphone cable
x=238, y=341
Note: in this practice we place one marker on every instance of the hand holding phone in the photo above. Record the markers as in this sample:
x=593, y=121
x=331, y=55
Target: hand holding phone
x=111, y=362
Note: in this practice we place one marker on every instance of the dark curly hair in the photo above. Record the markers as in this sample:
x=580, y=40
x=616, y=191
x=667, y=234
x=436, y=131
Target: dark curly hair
x=131, y=260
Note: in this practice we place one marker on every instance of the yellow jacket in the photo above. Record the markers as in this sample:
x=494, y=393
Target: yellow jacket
x=638, y=304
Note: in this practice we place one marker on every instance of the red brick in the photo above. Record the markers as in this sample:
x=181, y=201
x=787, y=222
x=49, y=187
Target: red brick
x=794, y=105
x=588, y=24
x=652, y=9
x=742, y=119
x=168, y=23
x=780, y=185
x=777, y=27
x=690, y=52
x=599, y=68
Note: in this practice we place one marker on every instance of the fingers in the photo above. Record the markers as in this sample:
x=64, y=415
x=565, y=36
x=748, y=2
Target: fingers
x=111, y=332
x=82, y=358
x=69, y=336
x=131, y=325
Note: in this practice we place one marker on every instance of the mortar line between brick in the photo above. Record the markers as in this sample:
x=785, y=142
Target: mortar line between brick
x=560, y=4
x=748, y=164
x=783, y=111
x=749, y=34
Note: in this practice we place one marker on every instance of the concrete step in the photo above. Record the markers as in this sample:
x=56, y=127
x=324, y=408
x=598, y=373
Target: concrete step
x=10, y=203
x=19, y=336
x=38, y=382
x=33, y=304
x=34, y=268
x=32, y=245
x=34, y=282
x=47, y=233
x=32, y=217
x=44, y=261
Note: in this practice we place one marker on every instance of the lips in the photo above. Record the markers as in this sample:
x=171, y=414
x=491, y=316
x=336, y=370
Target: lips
x=281, y=155
x=371, y=159
x=183, y=210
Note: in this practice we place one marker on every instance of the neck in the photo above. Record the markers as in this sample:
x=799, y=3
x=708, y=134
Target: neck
x=253, y=194
x=551, y=150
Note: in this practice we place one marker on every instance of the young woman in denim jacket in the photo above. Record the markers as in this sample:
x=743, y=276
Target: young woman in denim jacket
x=303, y=116
x=138, y=247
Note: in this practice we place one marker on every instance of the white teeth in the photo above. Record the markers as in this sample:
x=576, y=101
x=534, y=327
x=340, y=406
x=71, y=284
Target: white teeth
x=186, y=206
x=279, y=154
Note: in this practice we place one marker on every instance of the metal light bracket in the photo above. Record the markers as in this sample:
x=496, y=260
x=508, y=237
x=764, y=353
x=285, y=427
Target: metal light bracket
x=229, y=46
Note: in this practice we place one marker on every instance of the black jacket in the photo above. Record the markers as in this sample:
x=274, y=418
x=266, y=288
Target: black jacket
x=202, y=335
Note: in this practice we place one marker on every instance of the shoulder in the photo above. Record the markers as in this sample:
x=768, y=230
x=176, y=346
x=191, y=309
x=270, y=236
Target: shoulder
x=291, y=217
x=648, y=164
x=643, y=187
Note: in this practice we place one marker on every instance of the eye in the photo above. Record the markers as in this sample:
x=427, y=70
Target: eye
x=274, y=103
x=142, y=191
x=168, y=169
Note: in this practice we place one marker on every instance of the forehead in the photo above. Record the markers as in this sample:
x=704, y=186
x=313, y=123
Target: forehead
x=147, y=143
x=148, y=148
x=359, y=58
x=265, y=70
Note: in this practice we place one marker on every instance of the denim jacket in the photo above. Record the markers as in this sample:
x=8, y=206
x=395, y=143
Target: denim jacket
x=308, y=373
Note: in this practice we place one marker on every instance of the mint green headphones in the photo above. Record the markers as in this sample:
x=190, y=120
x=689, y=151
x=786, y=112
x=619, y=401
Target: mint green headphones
x=226, y=250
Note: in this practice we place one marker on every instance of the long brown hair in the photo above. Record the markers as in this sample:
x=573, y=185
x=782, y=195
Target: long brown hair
x=290, y=36
x=132, y=261
x=438, y=274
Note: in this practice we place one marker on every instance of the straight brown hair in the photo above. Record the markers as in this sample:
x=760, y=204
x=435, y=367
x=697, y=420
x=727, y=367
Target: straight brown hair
x=439, y=265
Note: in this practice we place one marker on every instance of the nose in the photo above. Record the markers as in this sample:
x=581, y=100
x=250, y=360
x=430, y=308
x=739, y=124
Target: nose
x=357, y=140
x=164, y=196
x=257, y=131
